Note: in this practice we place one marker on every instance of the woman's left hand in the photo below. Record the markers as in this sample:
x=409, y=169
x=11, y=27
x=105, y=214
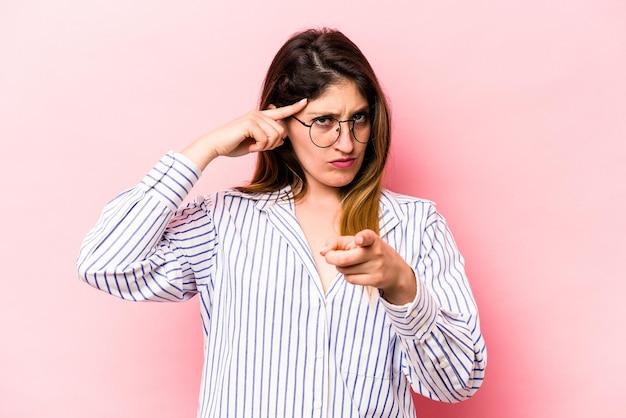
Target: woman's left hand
x=365, y=259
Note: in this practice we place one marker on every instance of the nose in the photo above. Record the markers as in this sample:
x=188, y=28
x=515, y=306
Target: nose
x=345, y=141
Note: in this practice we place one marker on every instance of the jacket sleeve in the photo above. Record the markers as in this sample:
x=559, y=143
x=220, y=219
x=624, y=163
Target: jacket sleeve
x=444, y=354
x=133, y=251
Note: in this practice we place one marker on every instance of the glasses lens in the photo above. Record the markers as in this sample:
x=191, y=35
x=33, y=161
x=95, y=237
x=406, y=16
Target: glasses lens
x=324, y=131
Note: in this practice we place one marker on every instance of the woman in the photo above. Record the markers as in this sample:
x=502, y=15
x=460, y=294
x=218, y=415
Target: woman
x=321, y=293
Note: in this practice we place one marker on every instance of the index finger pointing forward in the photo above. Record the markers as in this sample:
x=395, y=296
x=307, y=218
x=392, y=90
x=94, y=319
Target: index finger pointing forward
x=365, y=238
x=278, y=113
x=342, y=243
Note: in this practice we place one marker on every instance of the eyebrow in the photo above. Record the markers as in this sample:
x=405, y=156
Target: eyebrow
x=317, y=114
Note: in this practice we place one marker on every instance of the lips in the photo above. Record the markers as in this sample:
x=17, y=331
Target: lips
x=343, y=163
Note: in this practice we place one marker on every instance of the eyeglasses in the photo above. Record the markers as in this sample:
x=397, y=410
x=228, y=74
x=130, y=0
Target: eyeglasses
x=324, y=131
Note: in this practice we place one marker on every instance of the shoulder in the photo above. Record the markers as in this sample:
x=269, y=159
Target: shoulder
x=407, y=212
x=390, y=200
x=229, y=197
x=410, y=213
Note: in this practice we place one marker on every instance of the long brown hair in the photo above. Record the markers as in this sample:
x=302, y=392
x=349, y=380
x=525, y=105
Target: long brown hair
x=304, y=67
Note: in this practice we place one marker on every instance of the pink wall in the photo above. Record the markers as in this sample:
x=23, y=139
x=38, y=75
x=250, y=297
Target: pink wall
x=510, y=114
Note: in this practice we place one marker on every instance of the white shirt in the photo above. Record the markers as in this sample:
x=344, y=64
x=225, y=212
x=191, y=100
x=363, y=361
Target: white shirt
x=276, y=344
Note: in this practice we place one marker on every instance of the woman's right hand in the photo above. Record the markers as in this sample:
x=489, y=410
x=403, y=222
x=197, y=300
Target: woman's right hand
x=257, y=130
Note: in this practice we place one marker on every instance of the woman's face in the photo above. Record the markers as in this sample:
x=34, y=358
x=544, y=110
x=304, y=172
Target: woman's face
x=327, y=169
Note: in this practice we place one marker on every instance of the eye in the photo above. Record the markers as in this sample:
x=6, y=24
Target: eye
x=360, y=117
x=324, y=121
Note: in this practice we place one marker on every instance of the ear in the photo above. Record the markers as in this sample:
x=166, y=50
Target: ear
x=271, y=106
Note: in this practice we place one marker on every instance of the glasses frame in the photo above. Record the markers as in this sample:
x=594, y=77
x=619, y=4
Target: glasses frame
x=310, y=126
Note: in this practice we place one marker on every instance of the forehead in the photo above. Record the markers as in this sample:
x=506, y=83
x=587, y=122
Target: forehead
x=338, y=99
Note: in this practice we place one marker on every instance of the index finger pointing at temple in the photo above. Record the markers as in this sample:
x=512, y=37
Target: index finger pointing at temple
x=278, y=113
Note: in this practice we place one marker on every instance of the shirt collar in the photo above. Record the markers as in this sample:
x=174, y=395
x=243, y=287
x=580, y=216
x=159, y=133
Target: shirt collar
x=390, y=212
x=390, y=215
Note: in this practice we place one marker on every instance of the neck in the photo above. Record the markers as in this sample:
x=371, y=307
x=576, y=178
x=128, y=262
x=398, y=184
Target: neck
x=321, y=197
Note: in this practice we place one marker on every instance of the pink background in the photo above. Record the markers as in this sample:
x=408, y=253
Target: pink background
x=510, y=114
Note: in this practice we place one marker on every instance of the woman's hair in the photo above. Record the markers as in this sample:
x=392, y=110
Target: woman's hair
x=306, y=65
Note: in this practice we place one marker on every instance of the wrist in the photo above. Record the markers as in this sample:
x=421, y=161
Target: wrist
x=403, y=290
x=198, y=153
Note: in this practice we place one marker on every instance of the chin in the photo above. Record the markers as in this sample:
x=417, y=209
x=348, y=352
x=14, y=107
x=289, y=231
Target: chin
x=341, y=182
